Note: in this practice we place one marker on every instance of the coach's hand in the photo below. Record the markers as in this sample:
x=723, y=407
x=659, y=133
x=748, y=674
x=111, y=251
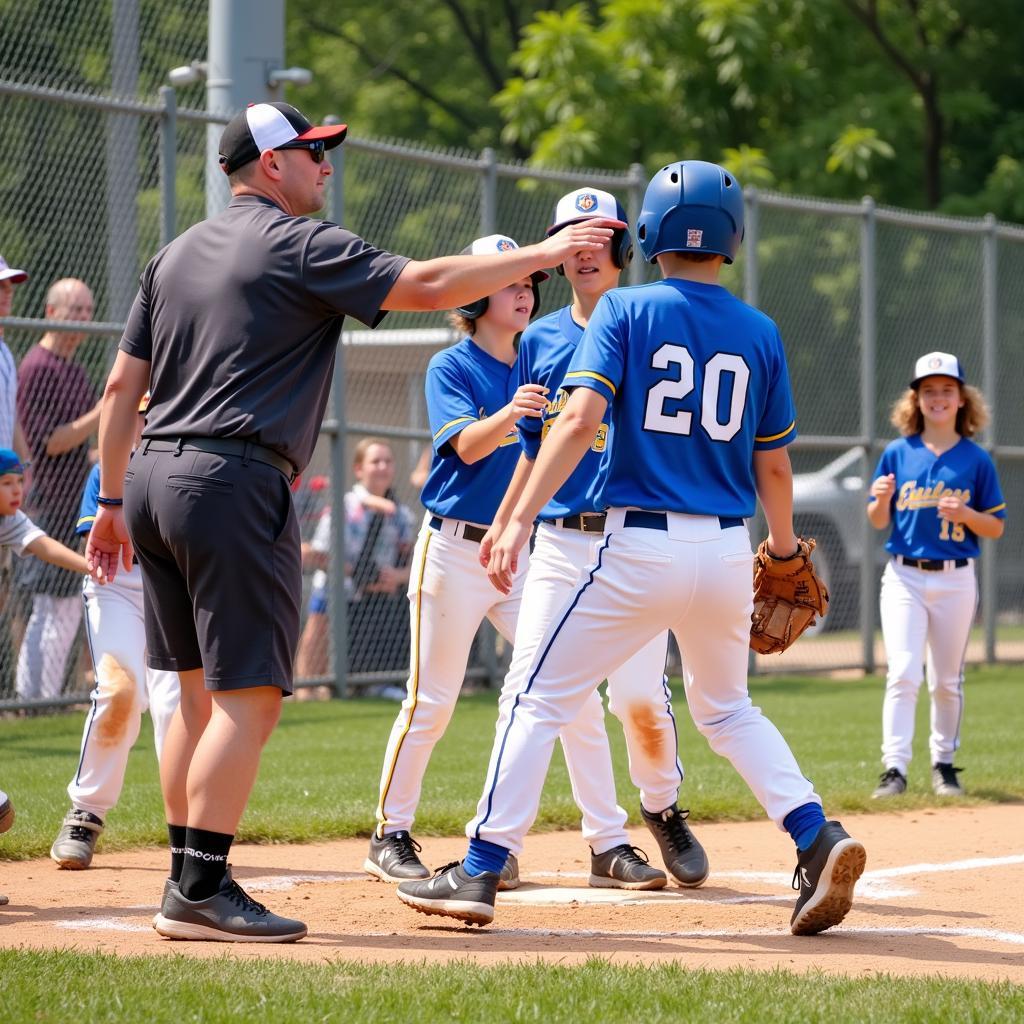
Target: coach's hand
x=591, y=234
x=108, y=542
x=504, y=555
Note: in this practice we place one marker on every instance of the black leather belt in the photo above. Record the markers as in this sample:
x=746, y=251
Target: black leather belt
x=586, y=522
x=473, y=533
x=659, y=520
x=933, y=564
x=245, y=450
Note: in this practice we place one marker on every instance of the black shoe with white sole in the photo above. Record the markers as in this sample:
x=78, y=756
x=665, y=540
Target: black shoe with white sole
x=945, y=781
x=825, y=875
x=684, y=857
x=624, y=867
x=394, y=858
x=509, y=877
x=891, y=783
x=452, y=892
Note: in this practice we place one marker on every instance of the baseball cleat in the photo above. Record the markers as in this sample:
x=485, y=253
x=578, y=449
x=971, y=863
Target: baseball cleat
x=624, y=867
x=454, y=893
x=684, y=857
x=6, y=814
x=509, y=877
x=229, y=915
x=393, y=858
x=944, y=780
x=76, y=841
x=825, y=875
x=891, y=783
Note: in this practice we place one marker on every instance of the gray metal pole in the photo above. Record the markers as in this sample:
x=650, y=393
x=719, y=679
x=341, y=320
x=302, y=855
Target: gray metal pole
x=634, y=204
x=868, y=343
x=168, y=164
x=488, y=192
x=122, y=153
x=337, y=158
x=990, y=340
x=751, y=280
x=246, y=43
x=338, y=608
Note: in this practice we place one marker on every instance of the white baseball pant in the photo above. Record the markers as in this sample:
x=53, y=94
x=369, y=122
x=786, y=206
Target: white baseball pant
x=49, y=635
x=921, y=612
x=693, y=578
x=125, y=687
x=450, y=595
x=638, y=693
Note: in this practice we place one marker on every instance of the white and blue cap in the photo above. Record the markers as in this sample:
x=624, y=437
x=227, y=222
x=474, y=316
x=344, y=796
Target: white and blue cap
x=937, y=364
x=490, y=244
x=585, y=204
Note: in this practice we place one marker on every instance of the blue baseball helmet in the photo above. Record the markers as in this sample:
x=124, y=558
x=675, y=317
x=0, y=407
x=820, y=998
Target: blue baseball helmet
x=691, y=206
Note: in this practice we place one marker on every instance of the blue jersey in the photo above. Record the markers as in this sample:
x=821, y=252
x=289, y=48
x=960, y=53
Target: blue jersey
x=464, y=385
x=545, y=350
x=697, y=382
x=89, y=504
x=922, y=479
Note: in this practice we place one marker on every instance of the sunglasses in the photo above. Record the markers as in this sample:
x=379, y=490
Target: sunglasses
x=317, y=149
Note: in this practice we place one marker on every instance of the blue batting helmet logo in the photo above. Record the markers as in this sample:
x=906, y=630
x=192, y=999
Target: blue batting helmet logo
x=505, y=244
x=585, y=202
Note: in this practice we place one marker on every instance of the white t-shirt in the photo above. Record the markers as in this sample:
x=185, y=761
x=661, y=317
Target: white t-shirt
x=18, y=531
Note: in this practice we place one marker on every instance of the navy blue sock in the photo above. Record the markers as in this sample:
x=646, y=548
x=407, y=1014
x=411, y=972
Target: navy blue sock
x=484, y=856
x=804, y=824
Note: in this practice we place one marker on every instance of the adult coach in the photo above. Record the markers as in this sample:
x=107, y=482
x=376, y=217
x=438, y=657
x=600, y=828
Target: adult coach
x=234, y=331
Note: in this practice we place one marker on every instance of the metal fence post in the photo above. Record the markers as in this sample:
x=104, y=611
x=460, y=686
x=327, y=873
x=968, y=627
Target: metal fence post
x=990, y=337
x=750, y=283
x=168, y=163
x=337, y=159
x=488, y=192
x=338, y=604
x=634, y=204
x=868, y=342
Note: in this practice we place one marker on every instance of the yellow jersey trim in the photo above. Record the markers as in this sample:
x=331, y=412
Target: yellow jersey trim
x=92, y=519
x=593, y=376
x=775, y=437
x=451, y=423
x=998, y=508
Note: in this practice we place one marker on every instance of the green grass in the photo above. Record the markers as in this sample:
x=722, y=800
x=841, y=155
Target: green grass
x=61, y=986
x=320, y=770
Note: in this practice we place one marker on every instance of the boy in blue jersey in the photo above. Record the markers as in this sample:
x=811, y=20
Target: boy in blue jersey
x=125, y=687
x=638, y=692
x=474, y=400
x=698, y=389
x=940, y=492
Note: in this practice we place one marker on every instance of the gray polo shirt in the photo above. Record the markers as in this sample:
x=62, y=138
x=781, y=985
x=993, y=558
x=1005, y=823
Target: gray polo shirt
x=239, y=317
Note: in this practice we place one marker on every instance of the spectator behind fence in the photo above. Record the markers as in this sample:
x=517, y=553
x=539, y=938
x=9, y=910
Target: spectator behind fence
x=10, y=432
x=58, y=412
x=378, y=540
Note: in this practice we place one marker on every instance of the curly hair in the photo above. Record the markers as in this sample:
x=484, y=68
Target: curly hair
x=908, y=419
x=462, y=324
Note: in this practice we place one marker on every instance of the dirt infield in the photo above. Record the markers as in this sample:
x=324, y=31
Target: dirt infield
x=940, y=897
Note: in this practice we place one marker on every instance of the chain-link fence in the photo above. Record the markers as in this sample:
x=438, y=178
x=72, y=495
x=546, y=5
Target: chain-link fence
x=100, y=164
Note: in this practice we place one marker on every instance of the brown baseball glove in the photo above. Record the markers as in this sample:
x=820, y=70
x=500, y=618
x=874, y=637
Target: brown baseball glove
x=788, y=595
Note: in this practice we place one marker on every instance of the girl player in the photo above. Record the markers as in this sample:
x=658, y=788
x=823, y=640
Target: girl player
x=941, y=493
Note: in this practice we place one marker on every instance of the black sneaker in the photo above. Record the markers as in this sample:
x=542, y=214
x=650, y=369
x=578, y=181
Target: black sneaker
x=76, y=841
x=684, y=857
x=891, y=783
x=945, y=781
x=393, y=858
x=825, y=875
x=229, y=915
x=454, y=893
x=624, y=867
x=509, y=877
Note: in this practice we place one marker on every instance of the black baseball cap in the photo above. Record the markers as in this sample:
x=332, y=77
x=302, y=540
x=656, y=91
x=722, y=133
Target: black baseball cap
x=263, y=126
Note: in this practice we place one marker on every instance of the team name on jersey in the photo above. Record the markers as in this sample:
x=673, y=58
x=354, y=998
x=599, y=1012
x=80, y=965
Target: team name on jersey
x=555, y=406
x=912, y=497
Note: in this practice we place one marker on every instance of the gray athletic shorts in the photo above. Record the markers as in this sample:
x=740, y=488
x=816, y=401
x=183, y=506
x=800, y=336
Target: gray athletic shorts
x=218, y=542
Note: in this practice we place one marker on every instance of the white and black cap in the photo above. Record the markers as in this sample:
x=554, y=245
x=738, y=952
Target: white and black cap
x=9, y=273
x=937, y=364
x=585, y=204
x=263, y=126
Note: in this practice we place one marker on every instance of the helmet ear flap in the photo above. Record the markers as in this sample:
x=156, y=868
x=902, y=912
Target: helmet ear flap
x=473, y=310
x=560, y=270
x=622, y=248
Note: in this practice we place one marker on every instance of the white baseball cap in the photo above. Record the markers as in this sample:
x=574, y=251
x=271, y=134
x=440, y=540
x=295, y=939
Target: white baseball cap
x=937, y=364
x=8, y=273
x=498, y=243
x=585, y=204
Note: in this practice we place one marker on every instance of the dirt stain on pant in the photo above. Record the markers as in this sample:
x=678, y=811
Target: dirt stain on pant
x=117, y=688
x=648, y=730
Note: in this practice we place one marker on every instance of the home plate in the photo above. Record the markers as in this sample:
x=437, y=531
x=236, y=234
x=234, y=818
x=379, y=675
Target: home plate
x=541, y=896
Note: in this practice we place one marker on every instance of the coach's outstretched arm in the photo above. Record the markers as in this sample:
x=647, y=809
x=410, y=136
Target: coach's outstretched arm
x=773, y=479
x=450, y=281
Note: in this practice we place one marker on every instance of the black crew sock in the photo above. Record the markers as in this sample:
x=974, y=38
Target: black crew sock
x=176, y=834
x=206, y=861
